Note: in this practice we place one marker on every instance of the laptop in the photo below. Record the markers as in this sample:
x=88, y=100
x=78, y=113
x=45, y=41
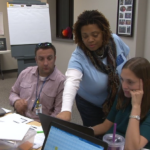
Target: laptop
x=61, y=137
x=46, y=121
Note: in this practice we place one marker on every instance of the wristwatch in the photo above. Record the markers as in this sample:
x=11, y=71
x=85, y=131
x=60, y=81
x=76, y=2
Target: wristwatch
x=135, y=117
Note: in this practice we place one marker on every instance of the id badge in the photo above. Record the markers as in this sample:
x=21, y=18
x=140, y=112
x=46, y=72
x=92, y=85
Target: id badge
x=38, y=109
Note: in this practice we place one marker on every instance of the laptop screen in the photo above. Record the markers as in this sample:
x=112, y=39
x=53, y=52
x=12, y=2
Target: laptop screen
x=58, y=139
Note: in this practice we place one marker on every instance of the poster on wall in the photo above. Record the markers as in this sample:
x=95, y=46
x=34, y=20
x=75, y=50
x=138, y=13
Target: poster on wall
x=1, y=24
x=125, y=18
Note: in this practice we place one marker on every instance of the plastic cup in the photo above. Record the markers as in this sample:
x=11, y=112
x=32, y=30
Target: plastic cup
x=118, y=144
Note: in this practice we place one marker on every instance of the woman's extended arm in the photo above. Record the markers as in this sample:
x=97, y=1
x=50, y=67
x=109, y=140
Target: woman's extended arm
x=103, y=127
x=73, y=79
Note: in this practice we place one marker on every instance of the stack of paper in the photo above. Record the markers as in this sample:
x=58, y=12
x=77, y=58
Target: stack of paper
x=14, y=127
x=16, y=118
x=13, y=131
x=38, y=140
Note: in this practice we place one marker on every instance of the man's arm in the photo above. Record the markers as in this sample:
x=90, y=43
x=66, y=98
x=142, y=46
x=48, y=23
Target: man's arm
x=19, y=104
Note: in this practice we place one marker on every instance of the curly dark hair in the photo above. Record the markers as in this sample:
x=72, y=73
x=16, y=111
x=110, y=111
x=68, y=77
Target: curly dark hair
x=91, y=17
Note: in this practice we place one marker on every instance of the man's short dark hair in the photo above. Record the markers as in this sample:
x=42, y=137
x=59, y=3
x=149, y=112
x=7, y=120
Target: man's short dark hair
x=45, y=45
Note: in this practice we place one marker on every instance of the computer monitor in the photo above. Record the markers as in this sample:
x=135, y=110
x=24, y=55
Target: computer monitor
x=62, y=137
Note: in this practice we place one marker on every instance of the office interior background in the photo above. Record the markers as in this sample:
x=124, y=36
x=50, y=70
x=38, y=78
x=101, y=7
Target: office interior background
x=139, y=44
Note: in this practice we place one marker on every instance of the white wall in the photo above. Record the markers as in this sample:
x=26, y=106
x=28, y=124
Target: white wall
x=147, y=33
x=109, y=9
x=7, y=62
x=63, y=49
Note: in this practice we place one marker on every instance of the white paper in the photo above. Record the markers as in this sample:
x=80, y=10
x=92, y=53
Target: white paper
x=6, y=110
x=36, y=128
x=16, y=118
x=13, y=131
x=29, y=25
x=38, y=140
x=1, y=24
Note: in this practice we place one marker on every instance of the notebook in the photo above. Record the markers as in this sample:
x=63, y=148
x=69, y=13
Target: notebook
x=60, y=137
x=46, y=121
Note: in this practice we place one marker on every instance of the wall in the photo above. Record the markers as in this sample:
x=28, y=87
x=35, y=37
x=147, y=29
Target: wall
x=139, y=44
x=7, y=61
x=64, y=49
x=109, y=9
x=147, y=33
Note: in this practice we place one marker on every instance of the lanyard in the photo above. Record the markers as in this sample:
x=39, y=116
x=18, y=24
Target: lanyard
x=38, y=96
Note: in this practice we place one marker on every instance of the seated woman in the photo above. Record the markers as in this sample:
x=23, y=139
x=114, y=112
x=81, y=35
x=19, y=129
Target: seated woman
x=131, y=109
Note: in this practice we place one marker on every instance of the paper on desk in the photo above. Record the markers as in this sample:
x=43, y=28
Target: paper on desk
x=13, y=131
x=38, y=140
x=16, y=118
x=6, y=110
x=36, y=128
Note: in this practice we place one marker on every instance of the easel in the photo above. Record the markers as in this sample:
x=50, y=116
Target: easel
x=24, y=53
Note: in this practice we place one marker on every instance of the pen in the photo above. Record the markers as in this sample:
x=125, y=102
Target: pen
x=40, y=132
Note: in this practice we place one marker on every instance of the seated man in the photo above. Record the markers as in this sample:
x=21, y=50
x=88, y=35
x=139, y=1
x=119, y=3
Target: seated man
x=39, y=88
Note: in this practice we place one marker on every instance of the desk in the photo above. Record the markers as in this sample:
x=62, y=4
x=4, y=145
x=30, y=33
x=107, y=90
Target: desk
x=36, y=124
x=3, y=52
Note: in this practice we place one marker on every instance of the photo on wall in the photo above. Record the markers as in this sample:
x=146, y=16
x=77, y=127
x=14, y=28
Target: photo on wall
x=125, y=18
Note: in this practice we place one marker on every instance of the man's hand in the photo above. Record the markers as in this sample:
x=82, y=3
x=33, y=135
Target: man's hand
x=21, y=106
x=65, y=115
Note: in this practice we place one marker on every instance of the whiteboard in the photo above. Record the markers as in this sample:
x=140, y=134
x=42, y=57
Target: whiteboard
x=28, y=24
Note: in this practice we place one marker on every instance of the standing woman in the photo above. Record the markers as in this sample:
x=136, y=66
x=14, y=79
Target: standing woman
x=93, y=70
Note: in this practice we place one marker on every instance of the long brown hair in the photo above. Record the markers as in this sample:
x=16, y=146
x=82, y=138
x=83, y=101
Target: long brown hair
x=141, y=68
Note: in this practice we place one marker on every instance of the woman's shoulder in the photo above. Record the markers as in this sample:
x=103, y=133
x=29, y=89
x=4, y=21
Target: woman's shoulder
x=78, y=52
x=115, y=36
x=78, y=59
x=117, y=39
x=120, y=45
